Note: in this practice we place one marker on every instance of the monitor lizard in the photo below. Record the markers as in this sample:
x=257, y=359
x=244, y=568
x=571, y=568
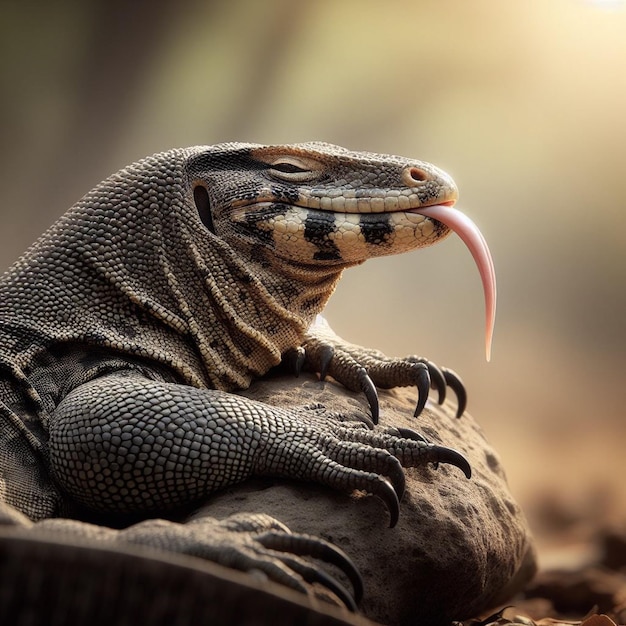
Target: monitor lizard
x=126, y=328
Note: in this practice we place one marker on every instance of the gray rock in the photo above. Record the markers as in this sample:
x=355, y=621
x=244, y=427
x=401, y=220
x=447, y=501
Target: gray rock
x=461, y=546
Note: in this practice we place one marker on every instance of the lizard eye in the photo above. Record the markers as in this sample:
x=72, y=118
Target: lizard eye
x=292, y=170
x=287, y=168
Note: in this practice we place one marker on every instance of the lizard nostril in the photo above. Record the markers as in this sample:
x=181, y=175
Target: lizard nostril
x=414, y=175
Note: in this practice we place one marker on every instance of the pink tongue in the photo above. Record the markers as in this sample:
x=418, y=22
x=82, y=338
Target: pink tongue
x=473, y=239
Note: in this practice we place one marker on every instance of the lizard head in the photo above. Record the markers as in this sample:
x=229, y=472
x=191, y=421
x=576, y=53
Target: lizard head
x=322, y=204
x=316, y=204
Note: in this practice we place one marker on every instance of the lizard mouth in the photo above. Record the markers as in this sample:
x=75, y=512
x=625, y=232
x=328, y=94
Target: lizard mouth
x=471, y=236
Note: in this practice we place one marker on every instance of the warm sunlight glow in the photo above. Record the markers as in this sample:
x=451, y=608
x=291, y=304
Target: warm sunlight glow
x=608, y=4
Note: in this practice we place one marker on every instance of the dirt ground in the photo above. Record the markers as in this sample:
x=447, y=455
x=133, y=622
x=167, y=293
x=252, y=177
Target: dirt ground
x=573, y=496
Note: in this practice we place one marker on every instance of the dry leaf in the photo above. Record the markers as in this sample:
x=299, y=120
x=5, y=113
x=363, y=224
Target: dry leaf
x=598, y=620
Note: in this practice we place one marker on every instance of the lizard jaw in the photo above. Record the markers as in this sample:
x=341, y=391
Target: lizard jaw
x=465, y=228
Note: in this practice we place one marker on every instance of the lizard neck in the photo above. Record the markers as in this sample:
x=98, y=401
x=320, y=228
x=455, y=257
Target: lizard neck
x=253, y=307
x=153, y=283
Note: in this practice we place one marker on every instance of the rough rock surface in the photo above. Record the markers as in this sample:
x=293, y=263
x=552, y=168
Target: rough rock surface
x=461, y=546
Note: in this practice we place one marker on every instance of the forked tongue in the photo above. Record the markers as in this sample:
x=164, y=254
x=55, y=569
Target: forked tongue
x=474, y=240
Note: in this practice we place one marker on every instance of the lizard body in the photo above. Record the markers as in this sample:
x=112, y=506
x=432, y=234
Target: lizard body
x=126, y=327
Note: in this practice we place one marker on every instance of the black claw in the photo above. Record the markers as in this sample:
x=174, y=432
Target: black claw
x=367, y=421
x=385, y=491
x=456, y=384
x=304, y=545
x=441, y=454
x=294, y=359
x=423, y=387
x=437, y=381
x=397, y=477
x=299, y=360
x=409, y=433
x=326, y=356
x=314, y=575
x=369, y=389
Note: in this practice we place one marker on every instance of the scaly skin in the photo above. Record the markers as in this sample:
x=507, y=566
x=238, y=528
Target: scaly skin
x=126, y=327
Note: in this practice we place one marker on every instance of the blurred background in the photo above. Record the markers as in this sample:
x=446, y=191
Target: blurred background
x=523, y=102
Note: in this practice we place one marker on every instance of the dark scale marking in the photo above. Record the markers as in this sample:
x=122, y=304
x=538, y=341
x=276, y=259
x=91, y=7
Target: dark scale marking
x=286, y=194
x=290, y=291
x=440, y=228
x=375, y=227
x=139, y=313
x=240, y=276
x=330, y=254
x=273, y=329
x=312, y=304
x=96, y=338
x=127, y=330
x=317, y=228
x=255, y=216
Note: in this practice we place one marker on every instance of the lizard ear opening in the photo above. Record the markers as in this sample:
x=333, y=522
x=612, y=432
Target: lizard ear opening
x=201, y=198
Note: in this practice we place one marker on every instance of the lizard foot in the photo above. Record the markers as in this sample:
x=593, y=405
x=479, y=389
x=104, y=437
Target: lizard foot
x=365, y=370
x=352, y=457
x=253, y=543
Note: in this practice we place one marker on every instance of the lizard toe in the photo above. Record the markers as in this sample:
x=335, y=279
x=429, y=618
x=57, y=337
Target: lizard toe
x=314, y=575
x=372, y=461
x=306, y=545
x=369, y=389
x=347, y=467
x=326, y=353
x=437, y=379
x=352, y=479
x=409, y=433
x=412, y=450
x=252, y=543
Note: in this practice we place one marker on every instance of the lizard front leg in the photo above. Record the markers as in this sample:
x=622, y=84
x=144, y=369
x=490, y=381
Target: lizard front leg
x=124, y=443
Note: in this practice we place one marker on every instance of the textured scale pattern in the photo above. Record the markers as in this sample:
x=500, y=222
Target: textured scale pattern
x=127, y=325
